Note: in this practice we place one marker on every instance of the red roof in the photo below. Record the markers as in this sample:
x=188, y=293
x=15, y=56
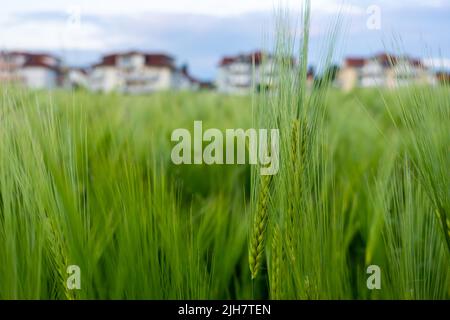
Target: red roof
x=108, y=60
x=355, y=62
x=227, y=60
x=159, y=60
x=43, y=60
x=386, y=59
x=253, y=57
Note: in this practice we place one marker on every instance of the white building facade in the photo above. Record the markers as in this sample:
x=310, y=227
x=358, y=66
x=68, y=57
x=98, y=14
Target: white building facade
x=138, y=73
x=75, y=78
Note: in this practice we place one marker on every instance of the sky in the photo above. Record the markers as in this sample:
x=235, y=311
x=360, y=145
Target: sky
x=200, y=32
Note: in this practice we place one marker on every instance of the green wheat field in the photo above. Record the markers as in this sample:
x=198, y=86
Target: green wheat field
x=87, y=179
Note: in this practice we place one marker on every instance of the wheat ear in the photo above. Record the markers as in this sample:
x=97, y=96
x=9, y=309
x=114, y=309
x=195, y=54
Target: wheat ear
x=257, y=239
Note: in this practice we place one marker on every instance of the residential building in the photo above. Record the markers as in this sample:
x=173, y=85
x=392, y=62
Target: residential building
x=257, y=70
x=383, y=70
x=36, y=71
x=137, y=73
x=244, y=72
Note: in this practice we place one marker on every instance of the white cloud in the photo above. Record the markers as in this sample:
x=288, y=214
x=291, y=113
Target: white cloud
x=437, y=63
x=49, y=35
x=208, y=7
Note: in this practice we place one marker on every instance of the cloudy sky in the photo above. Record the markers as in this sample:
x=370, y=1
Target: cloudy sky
x=200, y=32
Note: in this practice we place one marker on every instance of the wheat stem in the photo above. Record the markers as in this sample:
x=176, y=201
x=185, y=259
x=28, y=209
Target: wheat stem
x=275, y=267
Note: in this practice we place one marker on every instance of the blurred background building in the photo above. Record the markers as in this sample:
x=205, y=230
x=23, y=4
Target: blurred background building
x=36, y=71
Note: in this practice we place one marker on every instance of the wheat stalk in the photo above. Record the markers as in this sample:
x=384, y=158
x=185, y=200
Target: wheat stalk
x=275, y=267
x=257, y=240
x=297, y=161
x=59, y=255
